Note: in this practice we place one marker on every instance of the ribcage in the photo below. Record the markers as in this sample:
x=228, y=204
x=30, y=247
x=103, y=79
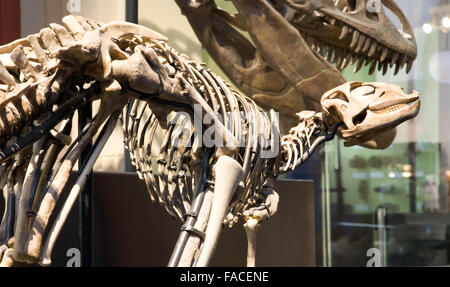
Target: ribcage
x=178, y=141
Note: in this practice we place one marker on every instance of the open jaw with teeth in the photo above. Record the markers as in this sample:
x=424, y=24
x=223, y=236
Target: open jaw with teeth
x=343, y=34
x=362, y=49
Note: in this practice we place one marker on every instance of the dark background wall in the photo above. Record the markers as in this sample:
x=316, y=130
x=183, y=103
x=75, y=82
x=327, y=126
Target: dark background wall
x=9, y=20
x=129, y=230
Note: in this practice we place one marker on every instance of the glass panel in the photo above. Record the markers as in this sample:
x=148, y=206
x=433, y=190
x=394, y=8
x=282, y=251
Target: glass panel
x=392, y=205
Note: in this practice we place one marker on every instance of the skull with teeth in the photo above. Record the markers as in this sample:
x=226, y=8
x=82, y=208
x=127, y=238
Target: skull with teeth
x=369, y=112
x=356, y=31
x=295, y=48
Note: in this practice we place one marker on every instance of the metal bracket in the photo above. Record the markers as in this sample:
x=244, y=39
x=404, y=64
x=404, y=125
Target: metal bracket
x=193, y=230
x=191, y=213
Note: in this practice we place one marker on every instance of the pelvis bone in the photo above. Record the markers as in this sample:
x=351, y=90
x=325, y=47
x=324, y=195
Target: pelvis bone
x=369, y=112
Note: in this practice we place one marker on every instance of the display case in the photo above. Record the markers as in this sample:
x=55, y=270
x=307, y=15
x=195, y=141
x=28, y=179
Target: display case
x=395, y=201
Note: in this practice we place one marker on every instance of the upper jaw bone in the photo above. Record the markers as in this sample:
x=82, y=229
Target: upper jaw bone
x=375, y=121
x=394, y=100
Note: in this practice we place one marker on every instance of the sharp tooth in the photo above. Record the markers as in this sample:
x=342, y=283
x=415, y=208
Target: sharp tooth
x=385, y=68
x=334, y=57
x=373, y=65
x=359, y=65
x=345, y=9
x=380, y=66
x=344, y=32
x=402, y=61
x=345, y=63
x=394, y=58
x=348, y=57
x=409, y=66
x=384, y=54
x=366, y=45
x=373, y=48
x=341, y=63
x=338, y=62
x=354, y=39
x=397, y=69
x=318, y=46
x=338, y=57
x=354, y=59
x=361, y=41
x=329, y=54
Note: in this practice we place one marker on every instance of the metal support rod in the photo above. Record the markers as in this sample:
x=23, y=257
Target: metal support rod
x=131, y=11
x=85, y=199
x=412, y=153
x=380, y=244
x=326, y=218
x=339, y=187
x=196, y=205
x=184, y=235
x=131, y=15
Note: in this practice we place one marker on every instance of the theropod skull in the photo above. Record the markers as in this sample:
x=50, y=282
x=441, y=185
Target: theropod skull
x=369, y=112
x=354, y=31
x=296, y=48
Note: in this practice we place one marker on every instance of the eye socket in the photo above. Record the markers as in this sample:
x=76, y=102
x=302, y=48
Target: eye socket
x=363, y=91
x=372, y=16
x=339, y=96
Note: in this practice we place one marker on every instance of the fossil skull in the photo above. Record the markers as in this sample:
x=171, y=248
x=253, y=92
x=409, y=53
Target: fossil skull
x=293, y=50
x=369, y=112
x=354, y=30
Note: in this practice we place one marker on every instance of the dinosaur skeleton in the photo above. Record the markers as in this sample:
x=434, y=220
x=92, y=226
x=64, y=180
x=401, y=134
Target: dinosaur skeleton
x=46, y=77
